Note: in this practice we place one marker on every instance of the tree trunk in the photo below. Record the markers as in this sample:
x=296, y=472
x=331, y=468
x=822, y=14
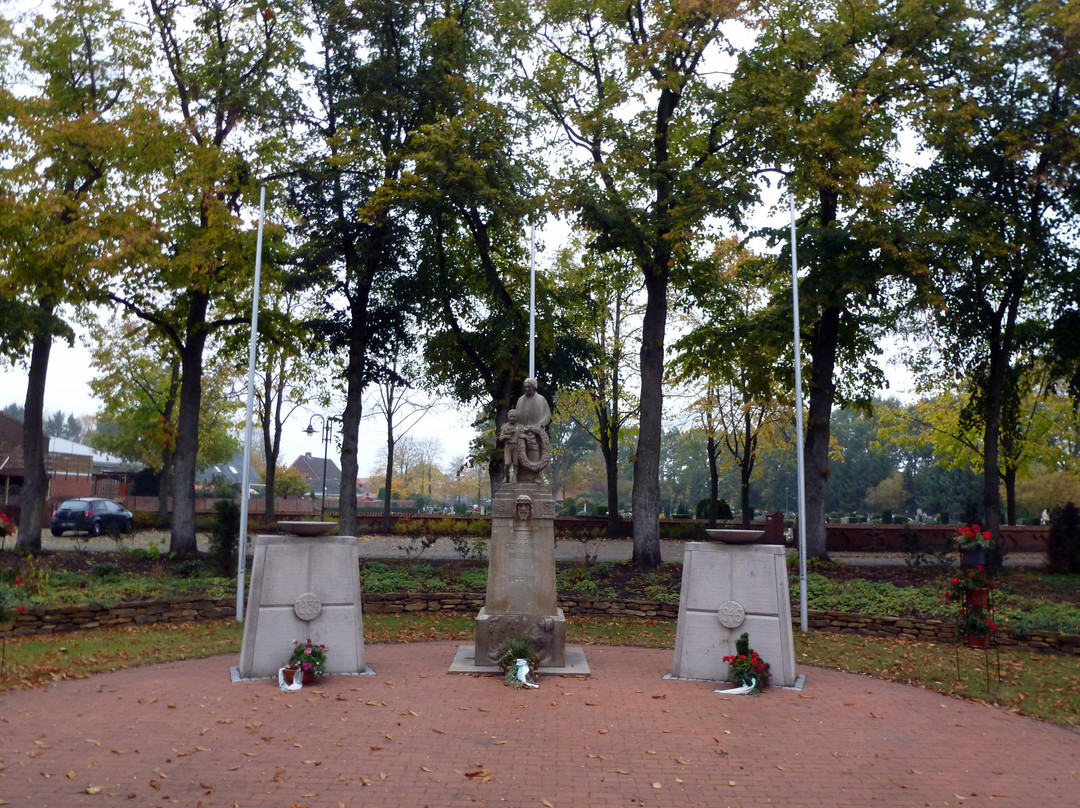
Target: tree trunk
x=355, y=382
x=168, y=454
x=714, y=482
x=165, y=488
x=389, y=481
x=646, y=496
x=823, y=340
x=182, y=540
x=35, y=481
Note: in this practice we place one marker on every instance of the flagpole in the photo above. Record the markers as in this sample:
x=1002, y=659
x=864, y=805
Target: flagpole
x=799, y=460
x=252, y=349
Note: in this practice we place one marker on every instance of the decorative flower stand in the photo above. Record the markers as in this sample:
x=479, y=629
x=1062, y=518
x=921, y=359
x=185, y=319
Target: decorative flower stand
x=982, y=599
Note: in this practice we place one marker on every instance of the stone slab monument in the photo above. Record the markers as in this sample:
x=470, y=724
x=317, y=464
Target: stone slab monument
x=521, y=597
x=727, y=589
x=303, y=587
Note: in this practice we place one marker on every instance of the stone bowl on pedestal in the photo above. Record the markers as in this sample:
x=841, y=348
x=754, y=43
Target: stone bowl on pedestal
x=307, y=528
x=732, y=536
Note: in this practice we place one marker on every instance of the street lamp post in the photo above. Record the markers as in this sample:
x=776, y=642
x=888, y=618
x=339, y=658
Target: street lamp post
x=327, y=431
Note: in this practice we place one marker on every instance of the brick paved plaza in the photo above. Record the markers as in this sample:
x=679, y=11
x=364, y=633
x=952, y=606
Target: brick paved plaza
x=412, y=735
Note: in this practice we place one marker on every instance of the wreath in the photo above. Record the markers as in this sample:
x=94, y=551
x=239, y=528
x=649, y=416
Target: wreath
x=527, y=436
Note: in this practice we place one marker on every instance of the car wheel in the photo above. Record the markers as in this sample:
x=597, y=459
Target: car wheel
x=95, y=528
x=57, y=532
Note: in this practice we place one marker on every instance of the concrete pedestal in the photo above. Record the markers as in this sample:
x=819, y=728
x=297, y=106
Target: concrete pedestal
x=303, y=587
x=728, y=589
x=521, y=598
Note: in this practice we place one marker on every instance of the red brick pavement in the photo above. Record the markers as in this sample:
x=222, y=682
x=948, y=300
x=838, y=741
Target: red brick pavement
x=412, y=735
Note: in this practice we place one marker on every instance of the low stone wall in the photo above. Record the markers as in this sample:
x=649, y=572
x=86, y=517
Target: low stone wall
x=86, y=616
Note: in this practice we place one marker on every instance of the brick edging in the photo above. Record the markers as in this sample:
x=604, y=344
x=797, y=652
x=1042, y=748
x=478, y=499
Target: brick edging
x=86, y=616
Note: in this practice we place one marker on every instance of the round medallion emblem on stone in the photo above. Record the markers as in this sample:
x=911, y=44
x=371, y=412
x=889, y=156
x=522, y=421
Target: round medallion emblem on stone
x=731, y=614
x=307, y=606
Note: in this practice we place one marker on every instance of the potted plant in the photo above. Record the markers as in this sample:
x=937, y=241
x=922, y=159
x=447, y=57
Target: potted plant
x=970, y=587
x=519, y=661
x=976, y=625
x=972, y=542
x=746, y=668
x=308, y=659
x=7, y=527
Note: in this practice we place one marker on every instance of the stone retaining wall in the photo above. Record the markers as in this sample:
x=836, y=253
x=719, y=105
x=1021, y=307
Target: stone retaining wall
x=85, y=616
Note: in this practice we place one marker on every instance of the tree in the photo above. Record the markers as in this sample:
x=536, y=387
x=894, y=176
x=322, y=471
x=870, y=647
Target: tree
x=137, y=380
x=385, y=68
x=401, y=414
x=730, y=360
x=998, y=206
x=822, y=91
x=286, y=379
x=66, y=124
x=225, y=70
x=608, y=315
x=649, y=171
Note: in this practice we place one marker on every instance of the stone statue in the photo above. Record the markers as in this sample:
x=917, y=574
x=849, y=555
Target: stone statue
x=509, y=436
x=532, y=408
x=526, y=447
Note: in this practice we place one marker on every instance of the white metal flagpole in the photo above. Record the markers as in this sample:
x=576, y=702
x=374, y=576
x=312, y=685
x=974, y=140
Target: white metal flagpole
x=241, y=571
x=532, y=304
x=801, y=521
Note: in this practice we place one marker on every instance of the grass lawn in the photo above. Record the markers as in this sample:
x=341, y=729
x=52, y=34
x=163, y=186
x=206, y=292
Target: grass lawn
x=1039, y=685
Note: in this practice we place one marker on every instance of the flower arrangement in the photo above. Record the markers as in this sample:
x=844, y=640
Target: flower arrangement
x=972, y=537
x=746, y=668
x=520, y=647
x=975, y=621
x=7, y=527
x=307, y=657
x=965, y=580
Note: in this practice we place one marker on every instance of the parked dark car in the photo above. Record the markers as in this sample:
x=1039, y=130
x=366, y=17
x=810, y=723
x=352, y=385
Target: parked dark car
x=91, y=515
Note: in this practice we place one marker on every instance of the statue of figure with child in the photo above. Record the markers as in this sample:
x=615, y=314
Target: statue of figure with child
x=526, y=448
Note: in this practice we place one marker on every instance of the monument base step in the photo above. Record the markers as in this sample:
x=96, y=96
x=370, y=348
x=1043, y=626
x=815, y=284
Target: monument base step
x=575, y=664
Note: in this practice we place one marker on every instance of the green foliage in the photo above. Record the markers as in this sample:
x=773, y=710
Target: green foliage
x=225, y=536
x=105, y=570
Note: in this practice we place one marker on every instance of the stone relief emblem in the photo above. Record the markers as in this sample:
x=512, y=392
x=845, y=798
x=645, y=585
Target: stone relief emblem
x=307, y=606
x=731, y=614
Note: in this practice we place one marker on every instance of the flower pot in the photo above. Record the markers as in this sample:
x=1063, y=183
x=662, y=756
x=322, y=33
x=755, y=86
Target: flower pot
x=978, y=640
x=308, y=678
x=973, y=558
x=977, y=597
x=288, y=675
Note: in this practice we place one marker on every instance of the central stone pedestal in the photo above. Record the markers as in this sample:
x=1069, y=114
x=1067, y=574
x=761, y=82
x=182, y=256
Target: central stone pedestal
x=521, y=596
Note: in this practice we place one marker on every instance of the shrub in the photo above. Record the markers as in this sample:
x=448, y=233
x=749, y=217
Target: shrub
x=473, y=580
x=191, y=568
x=1063, y=544
x=225, y=536
x=105, y=570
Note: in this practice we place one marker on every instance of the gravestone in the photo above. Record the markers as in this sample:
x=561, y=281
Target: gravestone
x=303, y=587
x=728, y=589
